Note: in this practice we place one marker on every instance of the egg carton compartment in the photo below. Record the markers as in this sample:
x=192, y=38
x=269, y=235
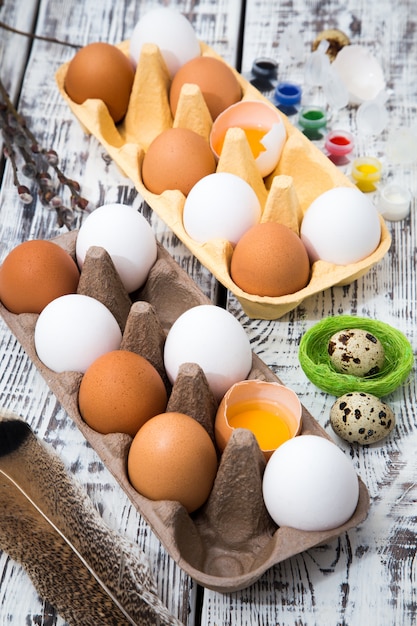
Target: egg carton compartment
x=303, y=173
x=231, y=540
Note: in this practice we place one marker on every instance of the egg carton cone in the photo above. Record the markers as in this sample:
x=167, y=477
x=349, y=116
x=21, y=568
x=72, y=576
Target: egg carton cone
x=306, y=171
x=231, y=540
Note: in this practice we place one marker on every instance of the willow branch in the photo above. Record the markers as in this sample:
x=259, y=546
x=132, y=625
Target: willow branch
x=16, y=31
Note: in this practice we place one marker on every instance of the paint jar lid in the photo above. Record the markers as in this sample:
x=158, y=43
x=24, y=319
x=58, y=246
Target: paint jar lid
x=372, y=116
x=394, y=202
x=402, y=145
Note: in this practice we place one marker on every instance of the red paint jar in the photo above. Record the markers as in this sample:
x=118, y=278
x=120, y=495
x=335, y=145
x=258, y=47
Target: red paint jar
x=339, y=144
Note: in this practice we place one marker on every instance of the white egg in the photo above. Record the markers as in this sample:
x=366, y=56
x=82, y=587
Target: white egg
x=221, y=206
x=127, y=237
x=171, y=32
x=211, y=337
x=310, y=484
x=341, y=226
x=74, y=330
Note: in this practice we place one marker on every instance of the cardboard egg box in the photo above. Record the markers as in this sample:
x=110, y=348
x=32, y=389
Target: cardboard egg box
x=231, y=541
x=302, y=174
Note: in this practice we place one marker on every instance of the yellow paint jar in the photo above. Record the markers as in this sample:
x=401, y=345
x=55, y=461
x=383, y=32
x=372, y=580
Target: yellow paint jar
x=366, y=172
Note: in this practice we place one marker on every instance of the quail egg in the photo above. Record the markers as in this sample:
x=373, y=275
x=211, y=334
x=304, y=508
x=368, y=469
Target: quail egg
x=356, y=351
x=360, y=417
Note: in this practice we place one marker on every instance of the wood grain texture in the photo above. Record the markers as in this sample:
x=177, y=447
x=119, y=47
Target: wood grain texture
x=21, y=389
x=368, y=575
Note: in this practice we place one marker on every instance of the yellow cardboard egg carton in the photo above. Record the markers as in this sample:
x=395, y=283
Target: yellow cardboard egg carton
x=302, y=174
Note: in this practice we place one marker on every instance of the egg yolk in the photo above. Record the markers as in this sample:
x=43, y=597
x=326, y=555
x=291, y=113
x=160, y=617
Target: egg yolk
x=254, y=137
x=267, y=421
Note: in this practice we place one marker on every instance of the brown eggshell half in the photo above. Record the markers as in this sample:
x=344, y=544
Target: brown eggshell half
x=270, y=392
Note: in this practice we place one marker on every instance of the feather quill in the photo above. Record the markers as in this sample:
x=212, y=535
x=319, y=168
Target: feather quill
x=90, y=574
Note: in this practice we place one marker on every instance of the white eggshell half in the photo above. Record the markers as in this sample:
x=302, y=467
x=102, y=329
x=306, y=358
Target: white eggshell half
x=273, y=141
x=360, y=72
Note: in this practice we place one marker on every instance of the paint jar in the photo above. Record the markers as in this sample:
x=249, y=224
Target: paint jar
x=271, y=411
x=394, y=202
x=263, y=74
x=366, y=172
x=312, y=120
x=338, y=145
x=287, y=98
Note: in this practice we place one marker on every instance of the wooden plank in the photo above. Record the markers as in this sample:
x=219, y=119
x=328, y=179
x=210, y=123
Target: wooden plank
x=365, y=576
x=22, y=390
x=13, y=57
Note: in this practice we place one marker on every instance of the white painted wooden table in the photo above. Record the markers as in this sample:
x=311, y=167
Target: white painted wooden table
x=367, y=576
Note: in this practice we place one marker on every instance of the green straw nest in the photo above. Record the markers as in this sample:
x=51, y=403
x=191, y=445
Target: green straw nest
x=315, y=361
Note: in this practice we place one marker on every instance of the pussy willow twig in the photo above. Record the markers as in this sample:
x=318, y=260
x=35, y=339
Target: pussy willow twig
x=19, y=140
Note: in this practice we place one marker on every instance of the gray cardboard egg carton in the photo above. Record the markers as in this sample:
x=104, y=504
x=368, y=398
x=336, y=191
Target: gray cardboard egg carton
x=231, y=541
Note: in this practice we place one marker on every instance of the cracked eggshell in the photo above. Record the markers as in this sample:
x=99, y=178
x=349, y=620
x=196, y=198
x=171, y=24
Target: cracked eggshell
x=356, y=351
x=360, y=417
x=360, y=72
x=253, y=117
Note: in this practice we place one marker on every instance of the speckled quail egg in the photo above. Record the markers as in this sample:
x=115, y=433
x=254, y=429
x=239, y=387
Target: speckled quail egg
x=360, y=417
x=356, y=351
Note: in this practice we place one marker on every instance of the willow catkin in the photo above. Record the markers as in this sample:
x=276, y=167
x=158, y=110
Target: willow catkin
x=315, y=361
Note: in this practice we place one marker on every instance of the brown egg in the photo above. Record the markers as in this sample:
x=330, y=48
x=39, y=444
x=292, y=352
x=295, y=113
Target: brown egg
x=218, y=84
x=177, y=159
x=270, y=260
x=35, y=273
x=101, y=71
x=119, y=392
x=173, y=457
